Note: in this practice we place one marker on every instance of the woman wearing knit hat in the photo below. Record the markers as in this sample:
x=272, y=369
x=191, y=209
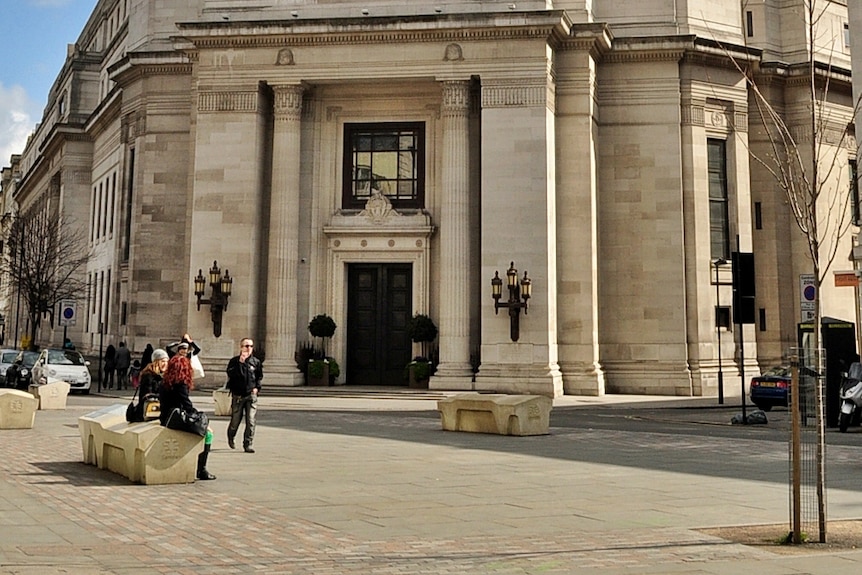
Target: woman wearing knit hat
x=151, y=379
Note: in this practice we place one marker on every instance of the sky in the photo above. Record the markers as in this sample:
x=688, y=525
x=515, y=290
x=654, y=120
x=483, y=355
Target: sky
x=33, y=39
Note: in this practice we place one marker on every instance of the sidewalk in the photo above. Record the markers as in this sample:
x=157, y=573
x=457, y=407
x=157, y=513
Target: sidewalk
x=365, y=481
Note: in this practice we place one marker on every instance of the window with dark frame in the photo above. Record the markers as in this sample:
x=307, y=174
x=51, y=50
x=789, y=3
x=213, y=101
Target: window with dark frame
x=719, y=224
x=386, y=158
x=749, y=23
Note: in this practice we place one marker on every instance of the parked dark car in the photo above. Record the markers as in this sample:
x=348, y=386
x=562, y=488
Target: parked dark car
x=771, y=388
x=18, y=374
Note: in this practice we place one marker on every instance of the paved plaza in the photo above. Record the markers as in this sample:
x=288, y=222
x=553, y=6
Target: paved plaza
x=353, y=482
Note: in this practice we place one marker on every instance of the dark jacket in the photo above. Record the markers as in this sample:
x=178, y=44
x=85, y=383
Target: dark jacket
x=151, y=382
x=110, y=358
x=172, y=397
x=243, y=377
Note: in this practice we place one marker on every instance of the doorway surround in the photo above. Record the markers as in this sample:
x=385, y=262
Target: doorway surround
x=377, y=234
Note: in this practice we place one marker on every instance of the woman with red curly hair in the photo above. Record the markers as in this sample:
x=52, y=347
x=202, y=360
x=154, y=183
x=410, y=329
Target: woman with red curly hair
x=176, y=385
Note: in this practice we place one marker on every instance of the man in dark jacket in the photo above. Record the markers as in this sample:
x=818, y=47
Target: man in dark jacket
x=244, y=373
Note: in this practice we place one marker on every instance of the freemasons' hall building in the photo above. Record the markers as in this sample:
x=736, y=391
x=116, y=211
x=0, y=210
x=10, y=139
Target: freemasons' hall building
x=375, y=160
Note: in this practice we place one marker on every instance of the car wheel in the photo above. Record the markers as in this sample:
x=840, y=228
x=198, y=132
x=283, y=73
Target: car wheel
x=843, y=422
x=763, y=406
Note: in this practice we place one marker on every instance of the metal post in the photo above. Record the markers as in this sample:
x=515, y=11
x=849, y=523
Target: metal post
x=718, y=329
x=101, y=353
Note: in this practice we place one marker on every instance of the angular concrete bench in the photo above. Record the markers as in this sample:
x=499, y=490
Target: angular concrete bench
x=51, y=395
x=222, y=399
x=17, y=409
x=496, y=413
x=144, y=452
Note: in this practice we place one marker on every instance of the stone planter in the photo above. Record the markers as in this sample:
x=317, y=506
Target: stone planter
x=317, y=380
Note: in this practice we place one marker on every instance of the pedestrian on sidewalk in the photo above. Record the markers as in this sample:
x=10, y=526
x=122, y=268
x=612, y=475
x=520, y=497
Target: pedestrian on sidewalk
x=244, y=373
x=124, y=361
x=110, y=365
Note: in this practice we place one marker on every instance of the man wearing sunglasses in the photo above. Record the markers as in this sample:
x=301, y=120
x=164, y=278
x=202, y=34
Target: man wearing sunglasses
x=244, y=373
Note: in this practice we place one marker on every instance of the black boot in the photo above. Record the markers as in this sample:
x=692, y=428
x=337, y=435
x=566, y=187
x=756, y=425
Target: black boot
x=203, y=474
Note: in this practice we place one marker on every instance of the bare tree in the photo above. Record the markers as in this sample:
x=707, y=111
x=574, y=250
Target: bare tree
x=808, y=170
x=44, y=261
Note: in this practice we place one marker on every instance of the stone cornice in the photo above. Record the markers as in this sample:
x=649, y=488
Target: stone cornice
x=139, y=65
x=688, y=48
x=551, y=25
x=794, y=75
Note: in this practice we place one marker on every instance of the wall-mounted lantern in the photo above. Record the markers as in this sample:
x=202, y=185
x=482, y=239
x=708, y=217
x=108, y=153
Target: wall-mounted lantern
x=517, y=292
x=221, y=288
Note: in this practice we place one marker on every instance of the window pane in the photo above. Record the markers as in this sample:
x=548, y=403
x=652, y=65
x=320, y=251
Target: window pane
x=385, y=142
x=385, y=165
x=405, y=165
x=362, y=143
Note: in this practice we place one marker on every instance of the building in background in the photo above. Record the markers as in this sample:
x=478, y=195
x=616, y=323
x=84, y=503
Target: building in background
x=373, y=160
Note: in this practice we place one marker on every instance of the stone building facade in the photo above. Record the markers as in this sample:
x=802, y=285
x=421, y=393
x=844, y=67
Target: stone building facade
x=373, y=160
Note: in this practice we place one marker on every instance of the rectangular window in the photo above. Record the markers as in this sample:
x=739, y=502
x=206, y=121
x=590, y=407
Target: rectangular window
x=762, y=319
x=719, y=226
x=388, y=159
x=127, y=235
x=758, y=216
x=722, y=317
x=846, y=35
x=749, y=23
x=854, y=192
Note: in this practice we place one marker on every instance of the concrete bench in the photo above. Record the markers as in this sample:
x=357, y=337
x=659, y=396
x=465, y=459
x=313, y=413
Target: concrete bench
x=496, y=413
x=17, y=409
x=222, y=399
x=51, y=395
x=144, y=452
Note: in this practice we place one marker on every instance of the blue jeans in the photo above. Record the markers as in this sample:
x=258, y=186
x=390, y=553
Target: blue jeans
x=243, y=407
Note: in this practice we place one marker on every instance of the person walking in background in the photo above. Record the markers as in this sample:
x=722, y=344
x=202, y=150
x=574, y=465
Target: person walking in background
x=176, y=385
x=244, y=373
x=147, y=356
x=123, y=361
x=110, y=366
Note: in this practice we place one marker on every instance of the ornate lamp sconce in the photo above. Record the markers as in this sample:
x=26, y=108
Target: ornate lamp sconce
x=221, y=289
x=517, y=292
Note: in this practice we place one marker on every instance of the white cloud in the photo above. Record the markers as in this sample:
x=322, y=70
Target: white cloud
x=17, y=119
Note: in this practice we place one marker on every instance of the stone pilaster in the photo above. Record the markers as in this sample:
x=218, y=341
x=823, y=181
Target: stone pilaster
x=453, y=371
x=518, y=225
x=284, y=236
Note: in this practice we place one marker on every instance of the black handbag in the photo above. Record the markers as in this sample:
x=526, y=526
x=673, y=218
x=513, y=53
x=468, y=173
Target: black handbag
x=190, y=421
x=133, y=414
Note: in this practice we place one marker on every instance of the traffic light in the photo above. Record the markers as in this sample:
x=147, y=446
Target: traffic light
x=742, y=265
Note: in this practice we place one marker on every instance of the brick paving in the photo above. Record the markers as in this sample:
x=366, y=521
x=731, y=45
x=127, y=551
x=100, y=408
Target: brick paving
x=317, y=499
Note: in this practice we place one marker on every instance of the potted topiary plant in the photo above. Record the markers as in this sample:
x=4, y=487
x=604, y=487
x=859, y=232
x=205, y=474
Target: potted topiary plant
x=423, y=331
x=320, y=369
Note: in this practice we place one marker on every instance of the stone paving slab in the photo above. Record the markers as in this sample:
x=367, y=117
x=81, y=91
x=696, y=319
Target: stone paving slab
x=354, y=500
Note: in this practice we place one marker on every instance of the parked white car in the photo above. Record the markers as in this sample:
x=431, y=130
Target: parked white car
x=7, y=358
x=65, y=364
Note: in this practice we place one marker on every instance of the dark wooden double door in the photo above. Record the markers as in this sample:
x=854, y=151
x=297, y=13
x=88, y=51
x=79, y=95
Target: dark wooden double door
x=379, y=305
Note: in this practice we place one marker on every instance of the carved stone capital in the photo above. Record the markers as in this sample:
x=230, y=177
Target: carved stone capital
x=288, y=101
x=456, y=97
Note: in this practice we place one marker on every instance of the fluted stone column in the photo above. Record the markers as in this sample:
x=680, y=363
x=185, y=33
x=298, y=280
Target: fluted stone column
x=284, y=237
x=453, y=371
